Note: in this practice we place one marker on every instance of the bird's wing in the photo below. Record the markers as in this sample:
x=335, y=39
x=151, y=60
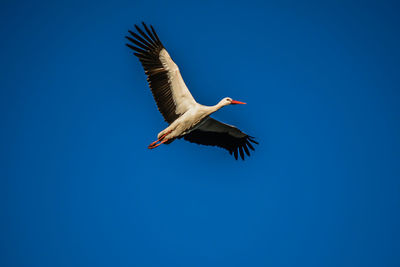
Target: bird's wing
x=169, y=90
x=216, y=133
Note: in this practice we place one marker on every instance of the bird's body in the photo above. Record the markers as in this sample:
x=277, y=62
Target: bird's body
x=187, y=119
x=192, y=119
x=187, y=122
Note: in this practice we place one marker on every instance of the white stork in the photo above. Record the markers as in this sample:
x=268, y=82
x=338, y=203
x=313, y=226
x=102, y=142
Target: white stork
x=187, y=119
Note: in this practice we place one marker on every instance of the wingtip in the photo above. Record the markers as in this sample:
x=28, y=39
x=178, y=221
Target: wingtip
x=255, y=142
x=251, y=138
x=235, y=153
x=241, y=152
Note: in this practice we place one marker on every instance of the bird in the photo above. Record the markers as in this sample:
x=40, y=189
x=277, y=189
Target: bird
x=187, y=119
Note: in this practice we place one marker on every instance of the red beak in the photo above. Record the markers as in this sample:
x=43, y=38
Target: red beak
x=234, y=102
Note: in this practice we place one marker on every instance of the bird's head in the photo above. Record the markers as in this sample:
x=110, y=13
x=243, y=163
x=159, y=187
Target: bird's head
x=229, y=101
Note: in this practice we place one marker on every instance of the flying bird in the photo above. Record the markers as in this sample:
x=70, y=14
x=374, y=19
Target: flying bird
x=187, y=119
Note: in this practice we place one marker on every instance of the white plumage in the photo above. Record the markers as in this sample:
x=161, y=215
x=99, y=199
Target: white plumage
x=187, y=119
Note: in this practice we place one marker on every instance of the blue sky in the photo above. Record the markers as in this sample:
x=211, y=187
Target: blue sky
x=79, y=187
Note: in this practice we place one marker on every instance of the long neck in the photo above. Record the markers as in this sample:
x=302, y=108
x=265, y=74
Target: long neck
x=212, y=109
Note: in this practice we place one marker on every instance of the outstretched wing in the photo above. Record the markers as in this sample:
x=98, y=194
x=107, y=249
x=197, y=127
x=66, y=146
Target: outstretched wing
x=216, y=133
x=169, y=90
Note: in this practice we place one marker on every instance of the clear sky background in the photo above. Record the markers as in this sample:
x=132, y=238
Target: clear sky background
x=79, y=187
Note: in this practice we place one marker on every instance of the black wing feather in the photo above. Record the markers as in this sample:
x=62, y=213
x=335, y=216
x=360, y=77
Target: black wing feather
x=226, y=136
x=147, y=48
